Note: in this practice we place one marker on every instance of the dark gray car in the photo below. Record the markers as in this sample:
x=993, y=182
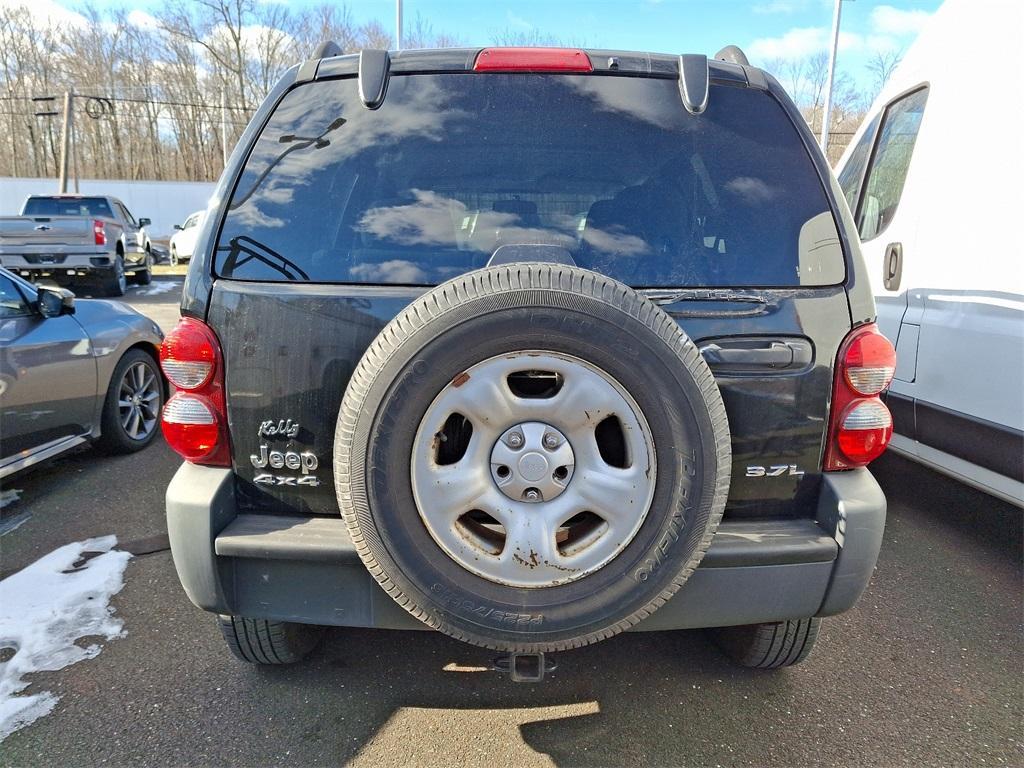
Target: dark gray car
x=73, y=371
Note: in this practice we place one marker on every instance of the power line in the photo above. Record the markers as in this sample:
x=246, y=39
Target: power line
x=127, y=99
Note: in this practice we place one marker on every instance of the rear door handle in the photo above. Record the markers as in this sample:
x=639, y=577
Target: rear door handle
x=755, y=354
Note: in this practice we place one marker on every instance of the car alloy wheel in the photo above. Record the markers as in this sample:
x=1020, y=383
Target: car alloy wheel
x=138, y=401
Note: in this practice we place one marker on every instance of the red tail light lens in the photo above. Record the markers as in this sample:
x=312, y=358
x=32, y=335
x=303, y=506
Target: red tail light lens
x=865, y=431
x=99, y=232
x=194, y=420
x=189, y=355
x=870, y=363
x=860, y=426
x=532, y=60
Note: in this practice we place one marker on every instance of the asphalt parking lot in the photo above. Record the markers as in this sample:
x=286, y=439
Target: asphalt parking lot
x=926, y=670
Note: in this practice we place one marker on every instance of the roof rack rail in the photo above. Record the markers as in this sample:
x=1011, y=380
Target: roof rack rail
x=734, y=55
x=374, y=67
x=693, y=82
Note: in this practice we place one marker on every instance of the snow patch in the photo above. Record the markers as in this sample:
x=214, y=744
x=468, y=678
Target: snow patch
x=44, y=609
x=156, y=288
x=9, y=496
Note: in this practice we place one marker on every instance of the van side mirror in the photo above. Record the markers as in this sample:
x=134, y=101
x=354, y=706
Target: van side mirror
x=54, y=302
x=145, y=222
x=178, y=227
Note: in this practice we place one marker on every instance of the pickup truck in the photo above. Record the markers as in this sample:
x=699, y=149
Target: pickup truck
x=75, y=239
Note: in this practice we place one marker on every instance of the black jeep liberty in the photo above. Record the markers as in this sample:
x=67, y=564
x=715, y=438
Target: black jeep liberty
x=531, y=347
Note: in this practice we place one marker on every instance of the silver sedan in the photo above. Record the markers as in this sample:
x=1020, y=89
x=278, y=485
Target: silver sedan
x=73, y=371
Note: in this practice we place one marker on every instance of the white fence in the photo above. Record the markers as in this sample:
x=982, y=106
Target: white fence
x=165, y=202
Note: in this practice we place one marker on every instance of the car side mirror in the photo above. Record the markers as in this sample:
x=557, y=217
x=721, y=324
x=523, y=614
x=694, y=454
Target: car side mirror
x=178, y=227
x=54, y=302
x=145, y=222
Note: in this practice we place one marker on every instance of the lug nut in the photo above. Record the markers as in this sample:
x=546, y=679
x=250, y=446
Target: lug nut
x=532, y=495
x=550, y=440
x=515, y=440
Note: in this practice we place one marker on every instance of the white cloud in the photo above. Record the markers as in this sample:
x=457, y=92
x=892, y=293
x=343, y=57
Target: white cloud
x=48, y=13
x=142, y=20
x=887, y=20
x=801, y=42
x=777, y=6
x=881, y=43
x=518, y=22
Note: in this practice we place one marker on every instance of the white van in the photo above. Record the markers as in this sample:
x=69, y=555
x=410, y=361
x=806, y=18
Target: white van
x=934, y=178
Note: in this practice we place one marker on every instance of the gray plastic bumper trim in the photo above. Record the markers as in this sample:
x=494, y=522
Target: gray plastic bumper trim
x=851, y=507
x=307, y=570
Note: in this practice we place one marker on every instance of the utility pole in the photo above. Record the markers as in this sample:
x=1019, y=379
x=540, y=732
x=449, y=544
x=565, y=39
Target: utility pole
x=398, y=25
x=826, y=112
x=74, y=152
x=224, y=124
x=65, y=139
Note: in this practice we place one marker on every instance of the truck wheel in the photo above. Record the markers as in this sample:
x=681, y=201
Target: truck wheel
x=144, y=276
x=569, y=457
x=131, y=410
x=768, y=646
x=114, y=283
x=260, y=641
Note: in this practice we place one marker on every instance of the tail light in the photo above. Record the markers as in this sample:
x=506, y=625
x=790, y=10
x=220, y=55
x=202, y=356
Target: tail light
x=99, y=232
x=860, y=426
x=532, y=60
x=194, y=420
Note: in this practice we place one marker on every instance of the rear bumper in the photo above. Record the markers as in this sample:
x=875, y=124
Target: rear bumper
x=308, y=571
x=59, y=265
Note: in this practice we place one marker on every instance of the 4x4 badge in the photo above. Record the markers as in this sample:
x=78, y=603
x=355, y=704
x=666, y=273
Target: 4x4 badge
x=775, y=470
x=306, y=461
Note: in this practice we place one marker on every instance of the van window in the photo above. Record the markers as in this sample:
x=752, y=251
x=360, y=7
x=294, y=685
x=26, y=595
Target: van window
x=890, y=162
x=853, y=172
x=451, y=167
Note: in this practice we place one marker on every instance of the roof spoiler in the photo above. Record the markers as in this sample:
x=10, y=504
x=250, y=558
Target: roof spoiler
x=693, y=82
x=374, y=68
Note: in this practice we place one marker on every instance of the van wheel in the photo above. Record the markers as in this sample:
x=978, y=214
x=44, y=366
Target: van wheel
x=261, y=641
x=173, y=259
x=144, y=276
x=768, y=646
x=114, y=283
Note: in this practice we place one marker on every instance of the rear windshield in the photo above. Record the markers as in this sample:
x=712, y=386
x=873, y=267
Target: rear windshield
x=451, y=167
x=67, y=206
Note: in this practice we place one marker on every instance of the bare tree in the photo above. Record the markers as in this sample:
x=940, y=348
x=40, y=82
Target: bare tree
x=881, y=66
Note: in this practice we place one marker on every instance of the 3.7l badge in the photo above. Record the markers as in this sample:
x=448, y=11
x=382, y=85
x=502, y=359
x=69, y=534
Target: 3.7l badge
x=775, y=470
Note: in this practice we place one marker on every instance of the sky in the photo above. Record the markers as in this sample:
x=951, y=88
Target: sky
x=765, y=29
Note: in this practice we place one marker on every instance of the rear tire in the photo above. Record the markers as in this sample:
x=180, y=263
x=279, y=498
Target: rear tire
x=144, y=276
x=114, y=283
x=768, y=646
x=261, y=641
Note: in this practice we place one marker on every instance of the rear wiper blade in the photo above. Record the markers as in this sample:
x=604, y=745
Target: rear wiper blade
x=756, y=303
x=670, y=296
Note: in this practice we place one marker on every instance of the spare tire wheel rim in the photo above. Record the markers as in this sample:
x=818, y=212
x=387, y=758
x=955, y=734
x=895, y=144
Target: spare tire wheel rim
x=533, y=469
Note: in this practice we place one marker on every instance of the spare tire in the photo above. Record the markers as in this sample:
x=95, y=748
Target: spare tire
x=532, y=457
